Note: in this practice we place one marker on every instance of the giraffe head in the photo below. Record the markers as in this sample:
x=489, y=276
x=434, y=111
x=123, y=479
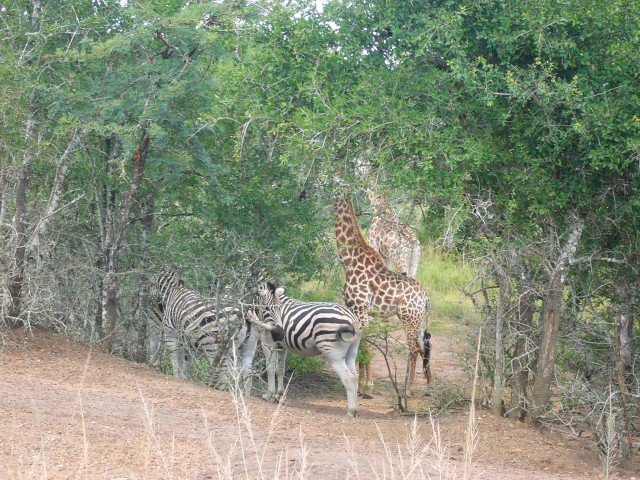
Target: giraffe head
x=379, y=202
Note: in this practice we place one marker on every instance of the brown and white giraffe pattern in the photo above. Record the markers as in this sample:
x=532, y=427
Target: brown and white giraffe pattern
x=371, y=287
x=394, y=240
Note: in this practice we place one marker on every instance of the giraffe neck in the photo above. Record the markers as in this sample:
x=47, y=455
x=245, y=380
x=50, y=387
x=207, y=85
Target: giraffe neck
x=380, y=204
x=347, y=229
x=349, y=238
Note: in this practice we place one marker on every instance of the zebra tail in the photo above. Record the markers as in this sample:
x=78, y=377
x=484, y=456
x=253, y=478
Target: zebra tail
x=345, y=333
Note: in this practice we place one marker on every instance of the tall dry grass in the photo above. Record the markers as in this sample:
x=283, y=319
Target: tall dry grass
x=268, y=451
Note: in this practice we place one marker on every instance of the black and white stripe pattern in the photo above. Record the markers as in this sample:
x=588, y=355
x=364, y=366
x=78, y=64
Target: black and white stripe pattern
x=193, y=327
x=325, y=329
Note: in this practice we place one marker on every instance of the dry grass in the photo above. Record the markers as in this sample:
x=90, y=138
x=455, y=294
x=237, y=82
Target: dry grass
x=256, y=453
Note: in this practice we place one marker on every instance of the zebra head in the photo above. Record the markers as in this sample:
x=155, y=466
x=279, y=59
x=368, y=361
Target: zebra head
x=271, y=308
x=166, y=281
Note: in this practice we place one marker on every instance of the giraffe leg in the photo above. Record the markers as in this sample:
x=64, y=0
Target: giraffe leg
x=412, y=372
x=365, y=380
x=413, y=342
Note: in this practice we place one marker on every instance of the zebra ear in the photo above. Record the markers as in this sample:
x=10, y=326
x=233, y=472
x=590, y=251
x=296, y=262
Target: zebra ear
x=272, y=287
x=279, y=291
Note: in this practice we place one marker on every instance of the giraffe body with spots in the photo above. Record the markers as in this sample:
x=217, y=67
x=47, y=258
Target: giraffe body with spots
x=371, y=286
x=394, y=240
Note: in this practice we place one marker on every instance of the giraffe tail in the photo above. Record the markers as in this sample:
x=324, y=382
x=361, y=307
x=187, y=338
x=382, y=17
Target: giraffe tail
x=424, y=339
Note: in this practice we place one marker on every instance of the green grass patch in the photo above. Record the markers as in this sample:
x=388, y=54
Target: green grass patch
x=443, y=273
x=316, y=291
x=445, y=276
x=304, y=364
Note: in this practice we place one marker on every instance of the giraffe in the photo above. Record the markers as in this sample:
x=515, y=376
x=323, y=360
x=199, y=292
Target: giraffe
x=394, y=240
x=369, y=284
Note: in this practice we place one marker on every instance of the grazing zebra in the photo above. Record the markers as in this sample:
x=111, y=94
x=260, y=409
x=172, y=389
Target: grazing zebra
x=325, y=329
x=192, y=327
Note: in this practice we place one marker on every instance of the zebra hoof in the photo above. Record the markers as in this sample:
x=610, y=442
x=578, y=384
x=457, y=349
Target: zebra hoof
x=268, y=397
x=352, y=414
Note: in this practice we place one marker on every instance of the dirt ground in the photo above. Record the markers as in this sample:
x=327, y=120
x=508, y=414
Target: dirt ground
x=71, y=411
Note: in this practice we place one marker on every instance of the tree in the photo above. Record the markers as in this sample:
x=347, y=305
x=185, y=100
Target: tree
x=529, y=114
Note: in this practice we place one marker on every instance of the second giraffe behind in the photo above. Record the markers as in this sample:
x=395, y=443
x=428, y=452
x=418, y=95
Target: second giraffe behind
x=393, y=239
x=370, y=285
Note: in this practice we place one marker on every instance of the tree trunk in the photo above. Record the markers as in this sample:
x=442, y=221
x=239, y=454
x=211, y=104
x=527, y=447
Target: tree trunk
x=551, y=317
x=3, y=191
x=502, y=306
x=106, y=204
x=521, y=357
x=110, y=298
x=624, y=325
x=142, y=310
x=16, y=283
x=623, y=350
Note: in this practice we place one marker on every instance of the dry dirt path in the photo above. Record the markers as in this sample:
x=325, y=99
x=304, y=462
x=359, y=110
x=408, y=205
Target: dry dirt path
x=71, y=411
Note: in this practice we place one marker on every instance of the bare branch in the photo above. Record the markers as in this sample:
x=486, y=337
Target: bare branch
x=63, y=165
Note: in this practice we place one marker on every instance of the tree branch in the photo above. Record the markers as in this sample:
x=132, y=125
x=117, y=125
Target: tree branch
x=63, y=165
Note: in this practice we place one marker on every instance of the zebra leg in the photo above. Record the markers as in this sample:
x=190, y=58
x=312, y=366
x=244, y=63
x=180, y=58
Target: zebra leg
x=352, y=353
x=177, y=356
x=350, y=382
x=186, y=364
x=281, y=355
x=246, y=353
x=155, y=346
x=268, y=348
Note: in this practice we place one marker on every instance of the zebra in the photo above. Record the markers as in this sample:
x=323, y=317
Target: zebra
x=193, y=327
x=325, y=329
x=166, y=279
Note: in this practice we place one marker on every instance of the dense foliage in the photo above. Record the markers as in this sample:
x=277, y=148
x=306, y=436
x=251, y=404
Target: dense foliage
x=513, y=125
